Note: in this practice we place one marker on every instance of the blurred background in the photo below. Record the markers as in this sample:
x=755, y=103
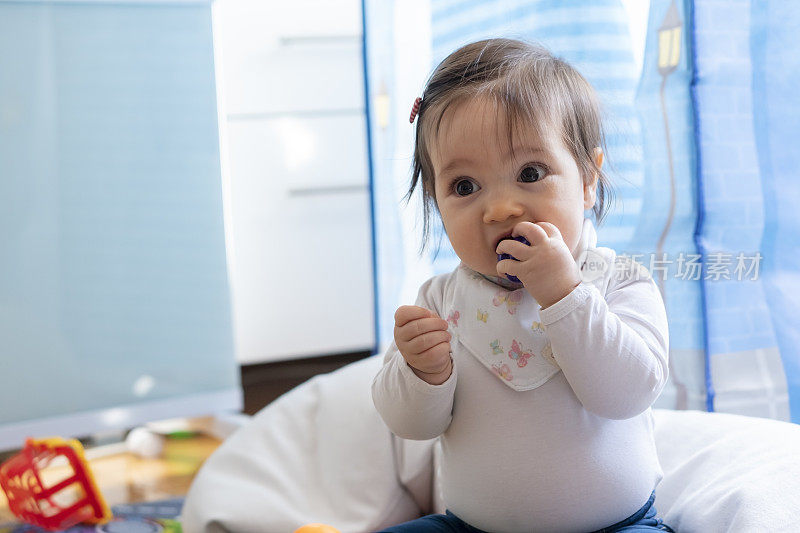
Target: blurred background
x=202, y=200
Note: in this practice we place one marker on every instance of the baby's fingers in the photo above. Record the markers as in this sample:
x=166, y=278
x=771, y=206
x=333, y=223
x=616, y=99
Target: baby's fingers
x=428, y=340
x=407, y=313
x=433, y=360
x=419, y=327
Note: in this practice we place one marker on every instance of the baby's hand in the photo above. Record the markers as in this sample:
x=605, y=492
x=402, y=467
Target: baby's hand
x=423, y=341
x=546, y=268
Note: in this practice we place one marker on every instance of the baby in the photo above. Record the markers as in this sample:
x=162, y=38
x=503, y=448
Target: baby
x=537, y=371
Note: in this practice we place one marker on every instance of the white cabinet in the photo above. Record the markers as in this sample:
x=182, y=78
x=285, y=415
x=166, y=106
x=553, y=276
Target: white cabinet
x=292, y=88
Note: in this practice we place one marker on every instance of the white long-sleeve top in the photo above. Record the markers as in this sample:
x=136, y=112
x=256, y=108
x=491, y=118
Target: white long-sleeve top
x=575, y=453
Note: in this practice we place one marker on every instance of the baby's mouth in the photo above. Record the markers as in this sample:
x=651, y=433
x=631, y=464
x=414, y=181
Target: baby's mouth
x=518, y=238
x=502, y=238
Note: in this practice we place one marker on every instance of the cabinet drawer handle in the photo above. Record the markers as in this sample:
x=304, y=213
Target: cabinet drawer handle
x=318, y=40
x=315, y=191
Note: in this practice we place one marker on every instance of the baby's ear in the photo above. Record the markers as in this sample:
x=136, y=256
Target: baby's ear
x=598, y=156
x=590, y=186
x=589, y=195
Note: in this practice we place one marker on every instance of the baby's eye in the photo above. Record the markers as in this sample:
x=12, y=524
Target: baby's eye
x=464, y=187
x=533, y=173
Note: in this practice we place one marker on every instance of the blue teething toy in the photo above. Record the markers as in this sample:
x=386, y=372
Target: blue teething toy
x=500, y=257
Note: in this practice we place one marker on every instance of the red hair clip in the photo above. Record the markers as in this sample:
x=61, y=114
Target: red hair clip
x=415, y=109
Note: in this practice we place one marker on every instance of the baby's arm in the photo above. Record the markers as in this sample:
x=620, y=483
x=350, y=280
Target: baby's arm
x=613, y=350
x=411, y=407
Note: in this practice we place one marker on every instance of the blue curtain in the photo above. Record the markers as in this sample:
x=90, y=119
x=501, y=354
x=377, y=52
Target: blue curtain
x=666, y=232
x=716, y=132
x=388, y=243
x=773, y=44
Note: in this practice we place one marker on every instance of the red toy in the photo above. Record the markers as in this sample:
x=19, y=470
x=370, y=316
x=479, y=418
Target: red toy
x=70, y=501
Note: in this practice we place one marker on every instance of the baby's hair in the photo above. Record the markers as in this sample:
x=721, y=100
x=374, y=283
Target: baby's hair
x=532, y=87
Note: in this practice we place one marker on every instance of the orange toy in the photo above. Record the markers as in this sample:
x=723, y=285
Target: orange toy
x=316, y=528
x=70, y=501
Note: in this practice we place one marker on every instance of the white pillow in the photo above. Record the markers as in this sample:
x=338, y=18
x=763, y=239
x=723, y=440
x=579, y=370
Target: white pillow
x=725, y=472
x=319, y=453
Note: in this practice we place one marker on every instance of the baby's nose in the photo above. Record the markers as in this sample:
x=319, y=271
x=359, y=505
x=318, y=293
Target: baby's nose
x=502, y=207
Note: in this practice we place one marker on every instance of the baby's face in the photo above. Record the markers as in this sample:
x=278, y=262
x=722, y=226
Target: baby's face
x=482, y=191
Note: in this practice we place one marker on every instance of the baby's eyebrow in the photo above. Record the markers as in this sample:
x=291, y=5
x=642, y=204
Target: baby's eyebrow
x=456, y=163
x=528, y=150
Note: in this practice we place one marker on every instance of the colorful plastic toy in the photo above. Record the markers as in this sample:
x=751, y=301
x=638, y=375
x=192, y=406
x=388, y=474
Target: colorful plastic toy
x=500, y=257
x=69, y=501
x=316, y=528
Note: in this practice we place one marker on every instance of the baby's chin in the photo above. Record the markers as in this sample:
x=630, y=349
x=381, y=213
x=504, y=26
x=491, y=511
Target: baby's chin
x=497, y=279
x=504, y=282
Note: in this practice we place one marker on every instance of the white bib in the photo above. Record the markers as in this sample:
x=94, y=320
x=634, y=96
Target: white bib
x=501, y=327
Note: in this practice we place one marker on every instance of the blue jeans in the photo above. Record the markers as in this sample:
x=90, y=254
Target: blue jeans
x=642, y=520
